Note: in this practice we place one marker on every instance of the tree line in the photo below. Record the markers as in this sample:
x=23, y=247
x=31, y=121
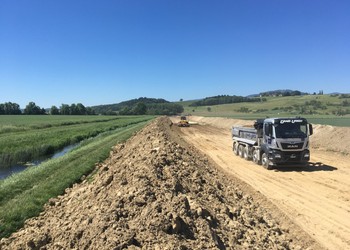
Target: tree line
x=283, y=92
x=224, y=99
x=141, y=108
x=144, y=106
x=73, y=109
x=9, y=108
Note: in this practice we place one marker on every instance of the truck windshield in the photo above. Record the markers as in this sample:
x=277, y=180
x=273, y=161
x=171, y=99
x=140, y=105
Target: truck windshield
x=291, y=130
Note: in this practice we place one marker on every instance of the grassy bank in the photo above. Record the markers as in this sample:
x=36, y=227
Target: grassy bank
x=23, y=195
x=41, y=137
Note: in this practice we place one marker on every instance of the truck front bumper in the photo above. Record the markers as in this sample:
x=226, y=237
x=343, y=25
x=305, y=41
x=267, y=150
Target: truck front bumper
x=289, y=157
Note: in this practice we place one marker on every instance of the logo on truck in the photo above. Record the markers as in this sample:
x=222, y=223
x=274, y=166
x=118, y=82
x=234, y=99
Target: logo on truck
x=291, y=121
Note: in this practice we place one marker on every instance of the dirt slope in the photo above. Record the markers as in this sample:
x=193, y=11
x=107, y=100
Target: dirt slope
x=156, y=192
x=316, y=197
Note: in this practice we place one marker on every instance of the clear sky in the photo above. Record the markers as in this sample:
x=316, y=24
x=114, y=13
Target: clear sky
x=101, y=52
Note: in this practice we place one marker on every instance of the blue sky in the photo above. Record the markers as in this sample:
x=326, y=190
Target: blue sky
x=101, y=52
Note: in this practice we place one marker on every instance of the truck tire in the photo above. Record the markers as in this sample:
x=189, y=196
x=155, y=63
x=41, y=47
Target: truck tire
x=240, y=150
x=235, y=148
x=246, y=154
x=265, y=161
x=255, y=157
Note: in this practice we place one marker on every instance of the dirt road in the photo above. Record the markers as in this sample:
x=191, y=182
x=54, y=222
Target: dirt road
x=317, y=197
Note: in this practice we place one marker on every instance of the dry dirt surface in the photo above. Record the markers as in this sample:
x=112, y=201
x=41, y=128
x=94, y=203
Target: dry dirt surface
x=158, y=192
x=317, y=197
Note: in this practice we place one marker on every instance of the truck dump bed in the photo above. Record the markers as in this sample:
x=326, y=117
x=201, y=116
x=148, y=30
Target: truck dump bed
x=244, y=134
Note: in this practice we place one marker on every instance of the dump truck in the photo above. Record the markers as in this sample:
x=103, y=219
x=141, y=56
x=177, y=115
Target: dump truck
x=274, y=142
x=183, y=122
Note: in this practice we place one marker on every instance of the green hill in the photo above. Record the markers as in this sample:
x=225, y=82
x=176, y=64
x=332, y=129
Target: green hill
x=323, y=109
x=331, y=109
x=140, y=106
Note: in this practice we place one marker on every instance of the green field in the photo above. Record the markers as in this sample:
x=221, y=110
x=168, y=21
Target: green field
x=14, y=123
x=25, y=138
x=319, y=109
x=23, y=195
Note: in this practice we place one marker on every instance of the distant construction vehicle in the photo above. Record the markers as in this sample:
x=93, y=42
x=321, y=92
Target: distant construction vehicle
x=183, y=122
x=274, y=141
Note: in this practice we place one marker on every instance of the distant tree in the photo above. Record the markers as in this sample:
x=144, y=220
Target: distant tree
x=15, y=109
x=81, y=110
x=30, y=108
x=181, y=100
x=344, y=96
x=346, y=103
x=243, y=110
x=296, y=92
x=109, y=112
x=73, y=109
x=33, y=109
x=54, y=110
x=9, y=108
x=90, y=111
x=140, y=109
x=65, y=109
x=209, y=109
x=125, y=111
x=223, y=99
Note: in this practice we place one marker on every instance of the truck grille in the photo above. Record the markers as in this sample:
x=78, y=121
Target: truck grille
x=289, y=157
x=292, y=145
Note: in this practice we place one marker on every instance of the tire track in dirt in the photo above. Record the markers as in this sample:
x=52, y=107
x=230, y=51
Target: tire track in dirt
x=317, y=197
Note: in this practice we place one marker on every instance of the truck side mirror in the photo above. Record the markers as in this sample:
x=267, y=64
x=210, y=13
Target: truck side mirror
x=311, y=131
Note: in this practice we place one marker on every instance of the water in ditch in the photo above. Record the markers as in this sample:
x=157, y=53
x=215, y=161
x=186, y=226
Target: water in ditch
x=6, y=172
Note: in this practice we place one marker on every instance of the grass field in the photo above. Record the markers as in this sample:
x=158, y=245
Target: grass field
x=23, y=195
x=13, y=123
x=31, y=137
x=320, y=109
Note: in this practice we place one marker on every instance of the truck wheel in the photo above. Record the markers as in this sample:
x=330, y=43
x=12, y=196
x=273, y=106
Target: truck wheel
x=265, y=161
x=240, y=150
x=256, y=159
x=235, y=148
x=246, y=153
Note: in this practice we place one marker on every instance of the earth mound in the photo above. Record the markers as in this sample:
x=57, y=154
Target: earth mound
x=155, y=192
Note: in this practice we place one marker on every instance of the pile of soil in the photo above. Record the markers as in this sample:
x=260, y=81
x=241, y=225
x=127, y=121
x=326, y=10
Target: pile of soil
x=155, y=192
x=331, y=139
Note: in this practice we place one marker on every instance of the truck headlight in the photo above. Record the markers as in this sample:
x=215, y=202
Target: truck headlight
x=306, y=155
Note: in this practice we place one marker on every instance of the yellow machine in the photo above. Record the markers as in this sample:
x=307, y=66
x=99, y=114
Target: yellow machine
x=183, y=122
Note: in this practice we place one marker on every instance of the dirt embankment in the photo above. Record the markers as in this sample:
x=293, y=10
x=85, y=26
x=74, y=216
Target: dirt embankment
x=156, y=192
